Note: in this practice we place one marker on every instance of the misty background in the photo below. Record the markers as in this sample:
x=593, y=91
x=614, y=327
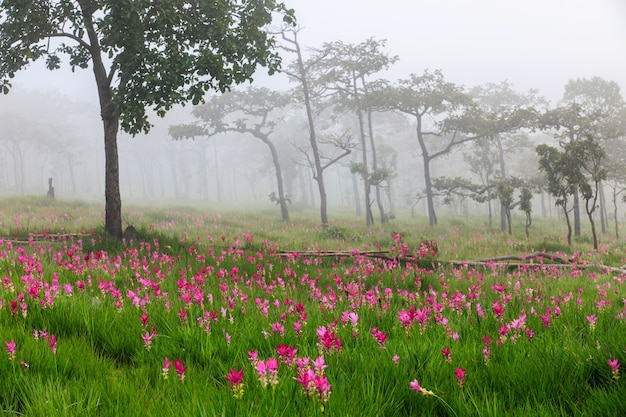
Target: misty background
x=50, y=124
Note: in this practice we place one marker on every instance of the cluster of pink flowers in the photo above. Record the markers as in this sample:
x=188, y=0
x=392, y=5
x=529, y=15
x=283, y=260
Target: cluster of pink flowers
x=178, y=367
x=328, y=341
x=313, y=379
x=267, y=370
x=47, y=337
x=379, y=336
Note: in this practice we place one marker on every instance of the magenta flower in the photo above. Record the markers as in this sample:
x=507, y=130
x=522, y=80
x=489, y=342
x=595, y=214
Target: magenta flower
x=415, y=386
x=180, y=369
x=323, y=387
x=144, y=320
x=166, y=367
x=261, y=370
x=592, y=321
x=286, y=353
x=614, y=364
x=319, y=365
x=380, y=337
x=446, y=354
x=498, y=310
x=53, y=343
x=235, y=379
x=306, y=378
x=10, y=348
x=460, y=376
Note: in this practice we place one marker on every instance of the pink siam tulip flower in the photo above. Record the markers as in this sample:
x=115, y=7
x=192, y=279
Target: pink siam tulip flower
x=459, y=373
x=592, y=321
x=614, y=364
x=253, y=356
x=272, y=369
x=10, y=348
x=306, y=378
x=379, y=336
x=286, y=353
x=144, y=320
x=395, y=359
x=498, y=310
x=446, y=354
x=415, y=386
x=323, y=388
x=53, y=343
x=235, y=379
x=261, y=370
x=319, y=365
x=166, y=368
x=180, y=369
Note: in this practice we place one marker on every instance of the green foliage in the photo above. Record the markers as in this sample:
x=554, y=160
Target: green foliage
x=159, y=55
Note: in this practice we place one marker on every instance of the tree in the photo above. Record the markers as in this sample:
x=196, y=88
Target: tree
x=144, y=54
x=508, y=106
x=526, y=205
x=589, y=108
x=306, y=73
x=589, y=158
x=247, y=112
x=345, y=70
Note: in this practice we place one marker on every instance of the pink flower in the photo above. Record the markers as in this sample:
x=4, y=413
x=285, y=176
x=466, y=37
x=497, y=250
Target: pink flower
x=166, y=367
x=319, y=365
x=446, y=354
x=10, y=348
x=592, y=321
x=235, y=379
x=460, y=376
x=144, y=320
x=286, y=353
x=415, y=386
x=395, y=359
x=614, y=364
x=180, y=369
x=498, y=310
x=323, y=387
x=53, y=343
x=380, y=337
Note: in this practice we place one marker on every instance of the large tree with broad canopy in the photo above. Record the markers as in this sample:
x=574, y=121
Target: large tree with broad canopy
x=144, y=55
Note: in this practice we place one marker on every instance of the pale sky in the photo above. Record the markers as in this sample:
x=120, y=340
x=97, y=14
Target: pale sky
x=532, y=43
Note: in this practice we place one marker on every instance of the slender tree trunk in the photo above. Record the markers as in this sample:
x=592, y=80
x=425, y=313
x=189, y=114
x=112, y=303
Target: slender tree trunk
x=284, y=211
x=576, y=213
x=503, y=211
x=432, y=217
x=603, y=212
x=615, y=213
x=369, y=218
x=355, y=190
x=319, y=171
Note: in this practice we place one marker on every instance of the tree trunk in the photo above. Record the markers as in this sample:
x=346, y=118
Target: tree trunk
x=503, y=212
x=110, y=121
x=355, y=190
x=282, y=200
x=319, y=171
x=603, y=212
x=369, y=218
x=576, y=213
x=113, y=200
x=432, y=217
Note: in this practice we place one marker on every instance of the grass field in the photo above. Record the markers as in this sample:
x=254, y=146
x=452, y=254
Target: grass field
x=237, y=314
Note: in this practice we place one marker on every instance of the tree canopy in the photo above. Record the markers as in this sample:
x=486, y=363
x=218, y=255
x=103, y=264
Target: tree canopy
x=144, y=54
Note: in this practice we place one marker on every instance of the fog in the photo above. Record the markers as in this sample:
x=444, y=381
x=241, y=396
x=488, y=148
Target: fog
x=50, y=126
